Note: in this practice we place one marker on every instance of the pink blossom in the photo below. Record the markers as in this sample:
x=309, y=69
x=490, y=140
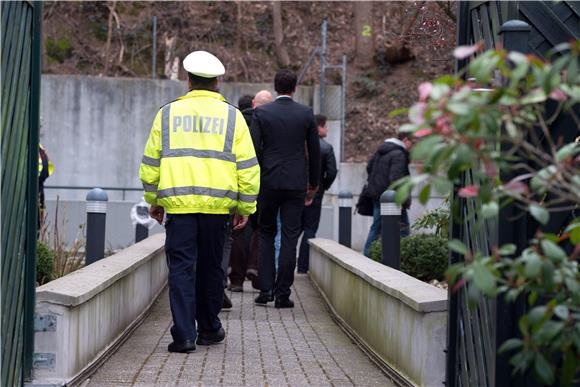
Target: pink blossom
x=423, y=132
x=442, y=124
x=417, y=112
x=463, y=52
x=424, y=91
x=469, y=191
x=558, y=95
x=516, y=187
x=490, y=169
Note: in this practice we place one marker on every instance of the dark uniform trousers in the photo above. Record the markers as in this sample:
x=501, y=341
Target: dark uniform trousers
x=290, y=203
x=194, y=247
x=310, y=221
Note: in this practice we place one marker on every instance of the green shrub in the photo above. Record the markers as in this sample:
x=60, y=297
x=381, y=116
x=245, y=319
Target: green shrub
x=366, y=87
x=422, y=256
x=58, y=49
x=45, y=258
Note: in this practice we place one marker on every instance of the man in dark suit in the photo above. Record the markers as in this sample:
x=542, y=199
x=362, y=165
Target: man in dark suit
x=280, y=131
x=311, y=214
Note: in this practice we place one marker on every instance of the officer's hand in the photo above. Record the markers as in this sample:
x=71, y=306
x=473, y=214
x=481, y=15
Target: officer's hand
x=156, y=212
x=240, y=221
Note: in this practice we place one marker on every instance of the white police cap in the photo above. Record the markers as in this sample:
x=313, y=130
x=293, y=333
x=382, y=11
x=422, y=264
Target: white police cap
x=203, y=64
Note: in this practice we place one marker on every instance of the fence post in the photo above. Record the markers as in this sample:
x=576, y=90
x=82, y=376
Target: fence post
x=512, y=227
x=390, y=230
x=96, y=220
x=345, y=218
x=141, y=231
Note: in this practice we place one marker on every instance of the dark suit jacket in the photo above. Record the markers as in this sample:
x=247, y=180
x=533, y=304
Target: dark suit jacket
x=328, y=169
x=280, y=130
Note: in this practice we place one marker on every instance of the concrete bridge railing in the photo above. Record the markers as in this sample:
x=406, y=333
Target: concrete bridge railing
x=399, y=321
x=83, y=317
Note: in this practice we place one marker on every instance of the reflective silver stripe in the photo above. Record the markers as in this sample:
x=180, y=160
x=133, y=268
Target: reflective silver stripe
x=230, y=129
x=205, y=154
x=247, y=163
x=247, y=198
x=213, y=192
x=165, y=127
x=149, y=187
x=151, y=161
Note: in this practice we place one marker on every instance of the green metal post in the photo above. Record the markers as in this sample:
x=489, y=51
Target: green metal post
x=32, y=194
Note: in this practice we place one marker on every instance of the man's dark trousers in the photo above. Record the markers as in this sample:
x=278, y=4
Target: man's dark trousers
x=310, y=221
x=194, y=247
x=290, y=203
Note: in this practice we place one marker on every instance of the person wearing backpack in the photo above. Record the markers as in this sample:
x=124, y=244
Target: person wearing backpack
x=388, y=164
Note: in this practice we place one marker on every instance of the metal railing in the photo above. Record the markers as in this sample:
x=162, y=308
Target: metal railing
x=123, y=190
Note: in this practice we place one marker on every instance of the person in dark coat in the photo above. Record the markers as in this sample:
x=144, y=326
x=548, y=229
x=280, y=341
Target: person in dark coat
x=280, y=129
x=311, y=213
x=245, y=245
x=388, y=164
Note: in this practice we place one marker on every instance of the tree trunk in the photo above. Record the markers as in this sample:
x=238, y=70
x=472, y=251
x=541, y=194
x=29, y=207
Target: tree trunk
x=281, y=52
x=171, y=62
x=111, y=7
x=365, y=42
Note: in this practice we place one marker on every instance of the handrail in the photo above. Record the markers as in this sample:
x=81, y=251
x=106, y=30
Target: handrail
x=77, y=187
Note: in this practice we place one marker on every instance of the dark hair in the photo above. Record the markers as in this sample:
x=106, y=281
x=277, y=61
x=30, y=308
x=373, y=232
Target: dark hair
x=285, y=81
x=320, y=120
x=404, y=135
x=202, y=83
x=245, y=102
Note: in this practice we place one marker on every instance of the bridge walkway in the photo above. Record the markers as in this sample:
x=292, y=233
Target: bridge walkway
x=264, y=347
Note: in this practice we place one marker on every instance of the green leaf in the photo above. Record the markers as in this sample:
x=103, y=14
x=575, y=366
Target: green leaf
x=507, y=249
x=532, y=298
x=537, y=314
x=408, y=128
x=511, y=129
x=568, y=369
x=543, y=369
x=442, y=185
x=523, y=325
x=510, y=345
x=549, y=330
x=553, y=251
x=540, y=214
x=535, y=96
x=567, y=151
x=533, y=265
x=457, y=246
x=459, y=108
x=562, y=312
x=403, y=192
x=439, y=91
x=490, y=210
x=424, y=194
x=425, y=147
x=572, y=285
x=453, y=272
x=483, y=278
x=398, y=112
x=574, y=230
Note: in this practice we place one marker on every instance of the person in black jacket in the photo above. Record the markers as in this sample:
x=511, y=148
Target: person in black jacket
x=311, y=213
x=280, y=129
x=245, y=245
x=389, y=163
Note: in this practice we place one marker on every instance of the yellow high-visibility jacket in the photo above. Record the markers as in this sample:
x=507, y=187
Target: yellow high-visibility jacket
x=200, y=158
x=40, y=163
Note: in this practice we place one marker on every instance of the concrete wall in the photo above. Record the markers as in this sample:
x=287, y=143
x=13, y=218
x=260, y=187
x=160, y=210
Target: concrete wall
x=95, y=128
x=94, y=307
x=399, y=320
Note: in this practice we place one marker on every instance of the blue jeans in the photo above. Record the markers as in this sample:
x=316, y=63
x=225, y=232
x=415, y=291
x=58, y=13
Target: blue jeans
x=375, y=230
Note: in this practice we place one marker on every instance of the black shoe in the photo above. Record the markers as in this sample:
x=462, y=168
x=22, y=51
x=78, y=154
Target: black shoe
x=186, y=346
x=283, y=303
x=210, y=338
x=227, y=304
x=264, y=298
x=252, y=275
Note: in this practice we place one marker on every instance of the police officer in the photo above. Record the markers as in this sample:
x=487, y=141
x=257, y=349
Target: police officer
x=199, y=166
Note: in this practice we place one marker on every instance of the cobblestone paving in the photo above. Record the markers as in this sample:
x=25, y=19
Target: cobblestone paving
x=264, y=347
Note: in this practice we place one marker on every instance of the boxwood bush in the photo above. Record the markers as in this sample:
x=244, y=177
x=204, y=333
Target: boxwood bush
x=45, y=258
x=422, y=256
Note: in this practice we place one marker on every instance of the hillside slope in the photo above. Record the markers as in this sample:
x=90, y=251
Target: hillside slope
x=115, y=39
